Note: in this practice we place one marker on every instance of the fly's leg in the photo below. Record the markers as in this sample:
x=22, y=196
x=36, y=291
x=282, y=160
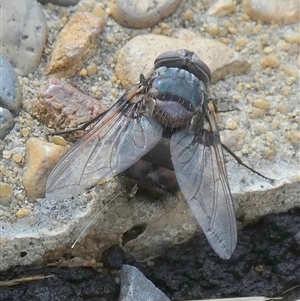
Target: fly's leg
x=239, y=161
x=81, y=128
x=227, y=110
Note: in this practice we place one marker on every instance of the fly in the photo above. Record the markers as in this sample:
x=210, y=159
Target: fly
x=168, y=121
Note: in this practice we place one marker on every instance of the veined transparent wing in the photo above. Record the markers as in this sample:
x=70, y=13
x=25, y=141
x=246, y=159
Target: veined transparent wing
x=117, y=141
x=201, y=175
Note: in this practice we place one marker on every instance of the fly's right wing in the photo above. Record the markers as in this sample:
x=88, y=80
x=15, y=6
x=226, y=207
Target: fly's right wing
x=201, y=175
x=119, y=139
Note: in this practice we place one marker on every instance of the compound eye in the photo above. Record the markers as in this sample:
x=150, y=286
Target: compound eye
x=166, y=57
x=202, y=68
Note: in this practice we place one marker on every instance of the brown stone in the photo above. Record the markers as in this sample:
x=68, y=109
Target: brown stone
x=76, y=43
x=61, y=106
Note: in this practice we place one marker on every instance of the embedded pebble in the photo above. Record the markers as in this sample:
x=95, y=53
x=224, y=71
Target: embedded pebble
x=290, y=70
x=6, y=122
x=213, y=29
x=99, y=11
x=283, y=108
x=234, y=140
x=59, y=140
x=222, y=8
x=138, y=55
x=283, y=45
x=6, y=154
x=273, y=11
x=83, y=72
x=142, y=13
x=292, y=36
x=286, y=90
x=24, y=34
x=61, y=106
x=76, y=43
x=232, y=30
x=25, y=132
x=261, y=103
x=231, y=125
x=257, y=113
x=60, y=2
x=268, y=50
x=5, y=191
x=40, y=158
x=22, y=212
x=270, y=60
x=17, y=158
x=294, y=137
x=91, y=69
x=188, y=15
x=10, y=90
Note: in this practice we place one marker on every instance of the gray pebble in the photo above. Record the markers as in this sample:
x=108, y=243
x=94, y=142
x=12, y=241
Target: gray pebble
x=24, y=34
x=6, y=122
x=135, y=286
x=60, y=2
x=142, y=13
x=10, y=90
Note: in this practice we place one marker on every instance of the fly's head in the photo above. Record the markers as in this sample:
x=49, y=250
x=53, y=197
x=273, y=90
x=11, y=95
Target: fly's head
x=187, y=60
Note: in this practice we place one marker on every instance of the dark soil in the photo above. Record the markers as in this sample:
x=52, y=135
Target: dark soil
x=265, y=263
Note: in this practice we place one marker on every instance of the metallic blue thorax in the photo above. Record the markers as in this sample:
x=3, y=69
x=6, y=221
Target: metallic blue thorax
x=174, y=84
x=178, y=95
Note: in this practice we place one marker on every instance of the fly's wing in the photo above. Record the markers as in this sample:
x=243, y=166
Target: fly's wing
x=201, y=175
x=116, y=142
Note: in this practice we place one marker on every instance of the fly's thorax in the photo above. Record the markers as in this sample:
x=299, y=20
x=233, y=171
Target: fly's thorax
x=178, y=95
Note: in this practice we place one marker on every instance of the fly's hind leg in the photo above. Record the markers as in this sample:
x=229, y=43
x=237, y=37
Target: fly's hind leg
x=239, y=161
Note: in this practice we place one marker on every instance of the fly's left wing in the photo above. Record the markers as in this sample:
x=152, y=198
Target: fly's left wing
x=118, y=140
x=201, y=175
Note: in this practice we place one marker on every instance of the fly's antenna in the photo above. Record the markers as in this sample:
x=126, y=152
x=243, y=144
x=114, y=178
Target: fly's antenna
x=94, y=218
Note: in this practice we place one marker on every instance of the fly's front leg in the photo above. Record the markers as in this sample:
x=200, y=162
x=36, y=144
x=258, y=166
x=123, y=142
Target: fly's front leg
x=81, y=128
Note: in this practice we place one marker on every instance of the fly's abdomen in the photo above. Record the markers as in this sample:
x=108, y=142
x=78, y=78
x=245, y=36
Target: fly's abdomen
x=178, y=94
